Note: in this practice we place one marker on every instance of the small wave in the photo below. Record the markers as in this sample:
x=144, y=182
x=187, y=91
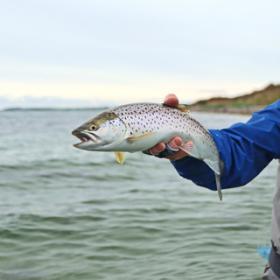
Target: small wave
x=49, y=164
x=96, y=201
x=63, y=220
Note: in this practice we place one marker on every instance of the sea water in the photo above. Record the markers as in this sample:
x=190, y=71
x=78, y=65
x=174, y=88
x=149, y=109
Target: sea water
x=72, y=214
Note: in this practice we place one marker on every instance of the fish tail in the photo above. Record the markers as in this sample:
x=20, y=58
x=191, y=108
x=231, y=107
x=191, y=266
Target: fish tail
x=218, y=185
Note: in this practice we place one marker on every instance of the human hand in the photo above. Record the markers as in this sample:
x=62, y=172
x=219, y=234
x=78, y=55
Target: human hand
x=176, y=142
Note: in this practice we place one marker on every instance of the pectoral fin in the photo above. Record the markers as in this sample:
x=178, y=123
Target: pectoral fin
x=120, y=157
x=132, y=139
x=187, y=148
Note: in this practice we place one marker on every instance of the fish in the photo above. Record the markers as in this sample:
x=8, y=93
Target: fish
x=139, y=126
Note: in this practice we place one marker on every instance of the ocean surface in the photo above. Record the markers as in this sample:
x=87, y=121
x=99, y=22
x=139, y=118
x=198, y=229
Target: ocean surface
x=71, y=214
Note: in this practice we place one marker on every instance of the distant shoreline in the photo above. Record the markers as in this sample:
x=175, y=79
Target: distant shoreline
x=243, y=104
x=237, y=111
x=193, y=108
x=227, y=110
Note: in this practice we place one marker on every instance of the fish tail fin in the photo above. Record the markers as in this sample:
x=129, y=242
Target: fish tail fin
x=218, y=185
x=215, y=166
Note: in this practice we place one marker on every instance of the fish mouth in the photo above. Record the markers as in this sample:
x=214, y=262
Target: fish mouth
x=85, y=137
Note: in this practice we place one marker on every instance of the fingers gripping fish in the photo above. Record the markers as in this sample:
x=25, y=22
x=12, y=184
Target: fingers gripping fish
x=140, y=126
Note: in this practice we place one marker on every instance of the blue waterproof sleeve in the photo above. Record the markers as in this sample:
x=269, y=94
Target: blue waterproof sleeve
x=245, y=149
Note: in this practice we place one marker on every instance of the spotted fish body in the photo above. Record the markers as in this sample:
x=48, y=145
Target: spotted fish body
x=140, y=126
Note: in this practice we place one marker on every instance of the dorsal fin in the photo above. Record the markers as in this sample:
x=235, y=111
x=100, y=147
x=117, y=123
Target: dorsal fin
x=180, y=107
x=183, y=108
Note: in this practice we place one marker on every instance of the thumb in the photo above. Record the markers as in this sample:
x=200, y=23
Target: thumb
x=171, y=100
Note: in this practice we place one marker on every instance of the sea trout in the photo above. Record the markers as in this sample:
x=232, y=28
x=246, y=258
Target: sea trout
x=140, y=126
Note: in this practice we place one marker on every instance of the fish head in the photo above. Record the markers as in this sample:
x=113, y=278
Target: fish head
x=105, y=129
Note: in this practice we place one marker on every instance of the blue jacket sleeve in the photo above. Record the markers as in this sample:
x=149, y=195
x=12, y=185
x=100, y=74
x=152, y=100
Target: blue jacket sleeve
x=245, y=149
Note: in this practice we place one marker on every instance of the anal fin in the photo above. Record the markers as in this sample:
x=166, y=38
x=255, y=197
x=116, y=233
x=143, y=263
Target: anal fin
x=214, y=165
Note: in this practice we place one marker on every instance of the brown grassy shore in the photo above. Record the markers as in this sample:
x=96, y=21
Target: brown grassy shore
x=243, y=104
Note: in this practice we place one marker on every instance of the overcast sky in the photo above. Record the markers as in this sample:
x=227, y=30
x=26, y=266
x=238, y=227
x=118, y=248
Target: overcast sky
x=108, y=52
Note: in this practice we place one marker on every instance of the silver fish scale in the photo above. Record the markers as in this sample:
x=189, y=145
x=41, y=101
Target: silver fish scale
x=149, y=117
x=206, y=139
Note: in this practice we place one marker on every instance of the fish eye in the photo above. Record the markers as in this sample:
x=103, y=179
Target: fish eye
x=93, y=127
